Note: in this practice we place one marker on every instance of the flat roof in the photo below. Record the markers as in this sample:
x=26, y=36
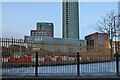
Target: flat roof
x=51, y=39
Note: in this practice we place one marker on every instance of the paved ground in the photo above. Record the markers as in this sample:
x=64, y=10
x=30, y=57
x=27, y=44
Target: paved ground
x=61, y=78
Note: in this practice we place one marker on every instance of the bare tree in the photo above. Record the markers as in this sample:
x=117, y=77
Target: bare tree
x=109, y=24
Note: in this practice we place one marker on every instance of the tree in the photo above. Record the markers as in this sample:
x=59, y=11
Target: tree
x=109, y=24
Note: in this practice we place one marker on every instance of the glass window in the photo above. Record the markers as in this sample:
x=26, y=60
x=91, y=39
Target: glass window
x=32, y=33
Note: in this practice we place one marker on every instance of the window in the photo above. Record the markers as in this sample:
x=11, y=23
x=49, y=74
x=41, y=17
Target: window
x=32, y=34
x=66, y=3
x=66, y=9
x=67, y=36
x=66, y=24
x=44, y=35
x=67, y=30
x=38, y=34
x=67, y=20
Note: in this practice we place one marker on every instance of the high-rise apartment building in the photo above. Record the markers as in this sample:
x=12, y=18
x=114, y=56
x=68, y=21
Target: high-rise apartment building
x=70, y=18
x=43, y=29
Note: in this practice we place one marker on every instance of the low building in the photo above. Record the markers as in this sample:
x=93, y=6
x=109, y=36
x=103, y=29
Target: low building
x=43, y=29
x=97, y=44
x=57, y=44
x=96, y=39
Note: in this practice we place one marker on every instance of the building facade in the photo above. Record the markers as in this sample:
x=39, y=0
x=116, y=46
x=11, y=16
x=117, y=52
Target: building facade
x=43, y=29
x=57, y=44
x=97, y=39
x=70, y=18
x=42, y=33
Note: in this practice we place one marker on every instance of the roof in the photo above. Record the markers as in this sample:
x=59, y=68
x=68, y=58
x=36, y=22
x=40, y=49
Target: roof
x=18, y=53
x=51, y=39
x=45, y=22
x=95, y=33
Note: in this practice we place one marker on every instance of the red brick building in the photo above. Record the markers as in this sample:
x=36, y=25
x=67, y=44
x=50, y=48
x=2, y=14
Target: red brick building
x=43, y=29
x=96, y=39
x=42, y=33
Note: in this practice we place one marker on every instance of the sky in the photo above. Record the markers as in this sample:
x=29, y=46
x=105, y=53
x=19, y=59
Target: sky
x=91, y=12
x=18, y=18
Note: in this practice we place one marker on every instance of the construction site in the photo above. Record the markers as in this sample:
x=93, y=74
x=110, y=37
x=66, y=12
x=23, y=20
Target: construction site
x=17, y=50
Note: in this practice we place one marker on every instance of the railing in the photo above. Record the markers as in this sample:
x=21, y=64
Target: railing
x=63, y=65
x=47, y=58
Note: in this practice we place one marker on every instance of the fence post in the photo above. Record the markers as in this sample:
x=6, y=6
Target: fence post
x=117, y=64
x=78, y=65
x=36, y=65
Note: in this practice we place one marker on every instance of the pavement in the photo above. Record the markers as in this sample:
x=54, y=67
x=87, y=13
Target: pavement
x=88, y=77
